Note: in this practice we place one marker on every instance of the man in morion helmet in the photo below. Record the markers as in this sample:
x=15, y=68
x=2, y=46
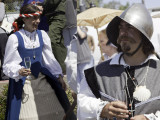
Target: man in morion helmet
x=127, y=86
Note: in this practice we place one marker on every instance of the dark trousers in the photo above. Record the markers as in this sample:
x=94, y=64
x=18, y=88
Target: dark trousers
x=3, y=41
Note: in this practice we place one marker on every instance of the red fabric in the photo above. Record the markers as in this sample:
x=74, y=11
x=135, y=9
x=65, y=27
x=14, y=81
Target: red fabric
x=34, y=2
x=29, y=15
x=15, y=26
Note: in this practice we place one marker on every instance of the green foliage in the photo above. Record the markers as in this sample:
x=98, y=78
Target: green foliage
x=87, y=3
x=9, y=7
x=124, y=7
x=69, y=95
x=71, y=100
x=12, y=6
x=3, y=101
x=97, y=2
x=112, y=5
x=116, y=5
x=6, y=1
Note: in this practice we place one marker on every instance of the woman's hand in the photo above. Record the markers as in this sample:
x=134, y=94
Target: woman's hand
x=74, y=95
x=64, y=86
x=116, y=109
x=24, y=72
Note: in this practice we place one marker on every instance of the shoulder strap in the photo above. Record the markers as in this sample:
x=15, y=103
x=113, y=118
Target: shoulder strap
x=40, y=37
x=20, y=39
x=92, y=81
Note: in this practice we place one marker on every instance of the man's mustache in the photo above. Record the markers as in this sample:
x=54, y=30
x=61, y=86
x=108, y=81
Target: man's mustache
x=126, y=38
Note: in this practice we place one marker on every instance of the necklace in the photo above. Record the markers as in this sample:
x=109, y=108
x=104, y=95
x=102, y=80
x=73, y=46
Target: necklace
x=34, y=54
x=141, y=93
x=33, y=43
x=131, y=105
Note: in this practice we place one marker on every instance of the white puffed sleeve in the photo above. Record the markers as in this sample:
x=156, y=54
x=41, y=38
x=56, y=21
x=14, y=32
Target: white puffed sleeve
x=49, y=60
x=12, y=59
x=89, y=107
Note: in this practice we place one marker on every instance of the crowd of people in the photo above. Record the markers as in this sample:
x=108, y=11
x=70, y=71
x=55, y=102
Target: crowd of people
x=46, y=45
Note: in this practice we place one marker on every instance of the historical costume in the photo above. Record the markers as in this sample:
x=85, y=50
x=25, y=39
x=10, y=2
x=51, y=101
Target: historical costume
x=125, y=87
x=39, y=96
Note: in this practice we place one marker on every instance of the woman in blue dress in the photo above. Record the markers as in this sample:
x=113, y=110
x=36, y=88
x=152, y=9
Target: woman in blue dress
x=36, y=93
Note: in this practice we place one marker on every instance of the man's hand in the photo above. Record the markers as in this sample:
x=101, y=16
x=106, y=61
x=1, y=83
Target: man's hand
x=139, y=117
x=116, y=109
x=64, y=86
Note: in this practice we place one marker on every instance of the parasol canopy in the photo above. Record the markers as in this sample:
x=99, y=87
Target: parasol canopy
x=97, y=17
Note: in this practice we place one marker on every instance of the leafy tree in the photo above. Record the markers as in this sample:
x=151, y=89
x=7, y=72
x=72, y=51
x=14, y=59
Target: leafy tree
x=116, y=5
x=12, y=5
x=10, y=1
x=124, y=7
x=112, y=5
x=88, y=3
x=98, y=3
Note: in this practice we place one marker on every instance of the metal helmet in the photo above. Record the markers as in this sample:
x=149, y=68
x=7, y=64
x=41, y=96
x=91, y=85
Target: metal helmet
x=138, y=16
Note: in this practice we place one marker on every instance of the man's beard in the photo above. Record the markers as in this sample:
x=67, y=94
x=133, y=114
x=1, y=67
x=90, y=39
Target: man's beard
x=124, y=46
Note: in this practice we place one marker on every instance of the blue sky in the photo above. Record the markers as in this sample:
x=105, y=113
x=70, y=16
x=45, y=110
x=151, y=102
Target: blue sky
x=148, y=3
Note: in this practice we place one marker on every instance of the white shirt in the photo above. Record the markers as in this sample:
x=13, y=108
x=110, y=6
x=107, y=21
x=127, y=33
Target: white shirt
x=12, y=57
x=89, y=107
